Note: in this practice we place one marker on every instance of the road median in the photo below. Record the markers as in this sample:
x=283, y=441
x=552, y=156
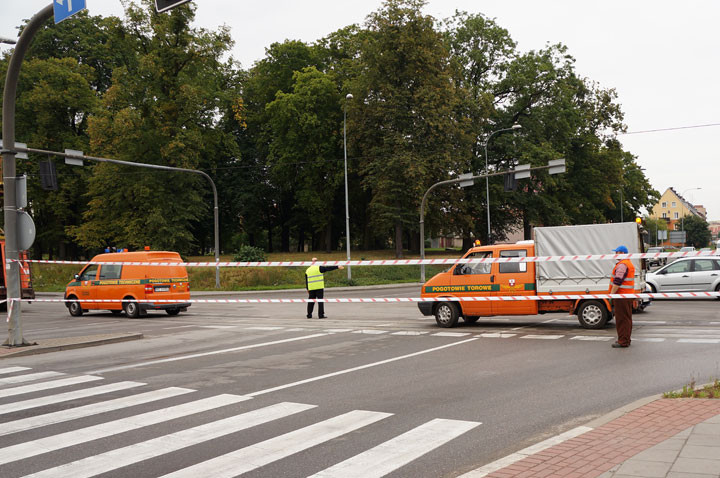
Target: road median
x=65, y=343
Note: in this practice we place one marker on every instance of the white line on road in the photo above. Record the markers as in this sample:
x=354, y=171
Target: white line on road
x=699, y=341
x=205, y=354
x=89, y=410
x=536, y=324
x=542, y=337
x=409, y=332
x=63, y=440
x=65, y=397
x=451, y=334
x=254, y=456
x=264, y=328
x=401, y=450
x=591, y=338
x=29, y=377
x=338, y=331
x=648, y=339
x=36, y=387
x=218, y=326
x=355, y=369
x=497, y=335
x=13, y=370
x=370, y=332
x=114, y=459
x=524, y=453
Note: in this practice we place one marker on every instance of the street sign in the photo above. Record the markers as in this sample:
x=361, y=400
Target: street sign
x=662, y=235
x=22, y=155
x=74, y=161
x=522, y=171
x=677, y=237
x=21, y=192
x=25, y=231
x=67, y=8
x=557, y=166
x=165, y=5
x=467, y=180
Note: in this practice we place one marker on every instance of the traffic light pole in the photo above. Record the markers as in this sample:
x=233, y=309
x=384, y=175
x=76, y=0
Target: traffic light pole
x=12, y=267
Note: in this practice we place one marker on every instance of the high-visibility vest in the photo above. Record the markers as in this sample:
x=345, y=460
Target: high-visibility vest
x=315, y=278
x=628, y=285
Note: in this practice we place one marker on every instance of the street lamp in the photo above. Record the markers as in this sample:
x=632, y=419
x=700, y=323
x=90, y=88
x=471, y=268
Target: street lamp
x=487, y=179
x=682, y=202
x=9, y=41
x=347, y=204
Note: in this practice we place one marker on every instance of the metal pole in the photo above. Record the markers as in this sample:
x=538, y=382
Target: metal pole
x=153, y=166
x=12, y=268
x=621, y=206
x=347, y=202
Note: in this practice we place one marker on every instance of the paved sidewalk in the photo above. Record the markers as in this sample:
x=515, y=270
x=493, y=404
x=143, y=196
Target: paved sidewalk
x=668, y=438
x=65, y=343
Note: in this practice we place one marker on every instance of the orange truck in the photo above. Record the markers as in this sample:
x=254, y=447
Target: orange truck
x=135, y=288
x=541, y=278
x=26, y=287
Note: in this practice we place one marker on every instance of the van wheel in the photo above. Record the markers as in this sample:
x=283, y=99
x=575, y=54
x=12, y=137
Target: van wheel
x=446, y=314
x=592, y=315
x=172, y=311
x=74, y=308
x=470, y=319
x=132, y=309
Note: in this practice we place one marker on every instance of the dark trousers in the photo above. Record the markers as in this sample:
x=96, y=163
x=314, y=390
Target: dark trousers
x=623, y=319
x=316, y=294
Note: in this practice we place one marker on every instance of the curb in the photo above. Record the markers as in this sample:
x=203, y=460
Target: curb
x=55, y=345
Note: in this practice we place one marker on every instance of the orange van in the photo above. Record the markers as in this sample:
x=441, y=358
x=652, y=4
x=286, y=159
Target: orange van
x=136, y=288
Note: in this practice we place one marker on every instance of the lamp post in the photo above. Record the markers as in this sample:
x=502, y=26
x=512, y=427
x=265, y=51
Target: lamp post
x=621, y=205
x=347, y=203
x=682, y=220
x=487, y=179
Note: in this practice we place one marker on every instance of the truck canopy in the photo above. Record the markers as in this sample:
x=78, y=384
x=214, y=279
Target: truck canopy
x=581, y=276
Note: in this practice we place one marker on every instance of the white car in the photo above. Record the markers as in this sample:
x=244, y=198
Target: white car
x=688, y=274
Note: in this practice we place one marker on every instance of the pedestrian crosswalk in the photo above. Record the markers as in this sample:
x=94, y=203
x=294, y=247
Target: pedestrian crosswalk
x=57, y=423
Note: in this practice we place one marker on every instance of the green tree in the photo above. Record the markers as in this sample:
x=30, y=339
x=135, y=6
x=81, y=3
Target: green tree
x=697, y=231
x=162, y=108
x=402, y=114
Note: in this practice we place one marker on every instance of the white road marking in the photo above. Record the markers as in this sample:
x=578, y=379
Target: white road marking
x=409, y=332
x=338, y=331
x=91, y=409
x=36, y=387
x=591, y=338
x=254, y=456
x=111, y=460
x=296, y=329
x=401, y=450
x=648, y=339
x=205, y=354
x=542, y=337
x=699, y=341
x=648, y=322
x=450, y=334
x=65, y=397
x=13, y=370
x=29, y=377
x=370, y=332
x=524, y=453
x=496, y=335
x=63, y=440
x=355, y=369
x=258, y=327
x=218, y=326
x=534, y=325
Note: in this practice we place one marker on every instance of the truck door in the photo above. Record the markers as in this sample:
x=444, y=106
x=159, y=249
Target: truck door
x=514, y=279
x=87, y=290
x=473, y=280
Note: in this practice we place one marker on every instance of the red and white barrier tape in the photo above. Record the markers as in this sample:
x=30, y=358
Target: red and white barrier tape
x=401, y=262
x=384, y=300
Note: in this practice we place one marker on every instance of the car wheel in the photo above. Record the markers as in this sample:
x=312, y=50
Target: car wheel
x=74, y=308
x=446, y=314
x=592, y=314
x=653, y=290
x=717, y=289
x=172, y=311
x=132, y=309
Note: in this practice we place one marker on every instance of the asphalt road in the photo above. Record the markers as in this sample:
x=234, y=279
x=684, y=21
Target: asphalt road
x=442, y=401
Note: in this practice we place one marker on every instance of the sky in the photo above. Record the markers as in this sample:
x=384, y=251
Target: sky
x=662, y=57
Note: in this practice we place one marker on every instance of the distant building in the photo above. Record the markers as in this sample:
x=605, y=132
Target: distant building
x=672, y=207
x=714, y=229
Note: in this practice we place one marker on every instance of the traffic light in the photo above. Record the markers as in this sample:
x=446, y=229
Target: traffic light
x=48, y=175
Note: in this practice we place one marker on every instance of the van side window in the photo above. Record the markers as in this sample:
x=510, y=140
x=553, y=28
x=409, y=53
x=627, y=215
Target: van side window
x=110, y=271
x=513, y=267
x=89, y=273
x=478, y=267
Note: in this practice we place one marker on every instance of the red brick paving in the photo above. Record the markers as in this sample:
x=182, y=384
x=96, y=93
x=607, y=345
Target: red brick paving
x=595, y=452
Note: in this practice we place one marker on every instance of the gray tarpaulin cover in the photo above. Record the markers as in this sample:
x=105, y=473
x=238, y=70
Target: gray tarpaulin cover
x=577, y=276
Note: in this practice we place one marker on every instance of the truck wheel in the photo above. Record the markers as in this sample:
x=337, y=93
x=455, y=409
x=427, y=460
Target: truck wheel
x=74, y=308
x=470, y=319
x=592, y=315
x=446, y=314
x=172, y=311
x=132, y=309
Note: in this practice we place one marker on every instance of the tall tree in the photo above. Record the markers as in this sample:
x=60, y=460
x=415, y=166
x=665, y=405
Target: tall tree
x=697, y=231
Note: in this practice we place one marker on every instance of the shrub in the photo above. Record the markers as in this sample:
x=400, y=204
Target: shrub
x=249, y=254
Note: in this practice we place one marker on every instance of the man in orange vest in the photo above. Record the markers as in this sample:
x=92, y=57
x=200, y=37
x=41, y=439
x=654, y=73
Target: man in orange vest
x=623, y=282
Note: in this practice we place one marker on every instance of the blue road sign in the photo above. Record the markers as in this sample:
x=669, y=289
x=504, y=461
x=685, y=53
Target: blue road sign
x=67, y=8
